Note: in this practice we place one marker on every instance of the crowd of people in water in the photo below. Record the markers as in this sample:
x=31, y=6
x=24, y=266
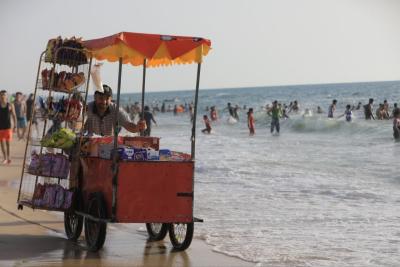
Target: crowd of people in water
x=16, y=112
x=278, y=111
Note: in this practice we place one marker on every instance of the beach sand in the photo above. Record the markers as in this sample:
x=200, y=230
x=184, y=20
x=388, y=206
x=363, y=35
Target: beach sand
x=36, y=238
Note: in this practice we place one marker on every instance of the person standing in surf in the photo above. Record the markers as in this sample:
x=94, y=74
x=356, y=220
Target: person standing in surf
x=250, y=122
x=332, y=108
x=230, y=109
x=347, y=113
x=396, y=124
x=208, y=125
x=275, y=113
x=368, y=110
x=213, y=113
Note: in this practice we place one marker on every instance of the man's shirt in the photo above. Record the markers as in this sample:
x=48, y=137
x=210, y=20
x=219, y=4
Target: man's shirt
x=104, y=125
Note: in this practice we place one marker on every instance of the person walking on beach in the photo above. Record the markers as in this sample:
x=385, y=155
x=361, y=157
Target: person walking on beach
x=332, y=108
x=208, y=125
x=275, y=113
x=20, y=112
x=250, y=121
x=149, y=118
x=396, y=125
x=368, y=110
x=6, y=113
x=30, y=109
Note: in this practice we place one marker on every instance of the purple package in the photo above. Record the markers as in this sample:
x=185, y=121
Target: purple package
x=38, y=202
x=68, y=199
x=49, y=196
x=46, y=162
x=126, y=153
x=59, y=197
x=34, y=166
x=140, y=154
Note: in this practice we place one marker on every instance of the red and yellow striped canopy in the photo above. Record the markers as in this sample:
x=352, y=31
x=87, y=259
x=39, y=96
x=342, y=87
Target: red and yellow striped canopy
x=158, y=50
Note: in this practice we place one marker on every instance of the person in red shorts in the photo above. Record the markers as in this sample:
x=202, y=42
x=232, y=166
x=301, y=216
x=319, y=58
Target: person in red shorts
x=6, y=112
x=250, y=121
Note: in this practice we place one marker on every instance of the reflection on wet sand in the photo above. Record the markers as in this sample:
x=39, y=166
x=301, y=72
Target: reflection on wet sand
x=122, y=248
x=163, y=255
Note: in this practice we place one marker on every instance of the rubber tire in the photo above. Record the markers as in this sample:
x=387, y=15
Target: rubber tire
x=73, y=223
x=153, y=234
x=181, y=243
x=95, y=232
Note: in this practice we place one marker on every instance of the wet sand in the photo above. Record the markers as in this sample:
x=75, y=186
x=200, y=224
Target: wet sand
x=37, y=238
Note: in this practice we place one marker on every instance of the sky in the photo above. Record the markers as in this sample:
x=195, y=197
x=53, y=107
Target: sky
x=254, y=42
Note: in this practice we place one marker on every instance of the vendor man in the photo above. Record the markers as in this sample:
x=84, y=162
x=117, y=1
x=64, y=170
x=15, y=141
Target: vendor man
x=101, y=115
x=100, y=120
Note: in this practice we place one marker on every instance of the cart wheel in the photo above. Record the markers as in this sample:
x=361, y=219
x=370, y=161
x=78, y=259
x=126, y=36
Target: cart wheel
x=181, y=235
x=73, y=223
x=157, y=231
x=95, y=232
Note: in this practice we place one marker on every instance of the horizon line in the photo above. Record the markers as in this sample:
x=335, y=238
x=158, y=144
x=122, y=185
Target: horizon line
x=267, y=86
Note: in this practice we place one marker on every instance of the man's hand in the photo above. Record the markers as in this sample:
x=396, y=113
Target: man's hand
x=142, y=125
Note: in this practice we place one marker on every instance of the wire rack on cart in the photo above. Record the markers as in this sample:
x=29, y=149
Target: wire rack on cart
x=59, y=109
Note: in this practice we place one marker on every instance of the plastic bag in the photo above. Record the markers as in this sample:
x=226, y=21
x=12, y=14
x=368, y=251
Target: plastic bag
x=96, y=77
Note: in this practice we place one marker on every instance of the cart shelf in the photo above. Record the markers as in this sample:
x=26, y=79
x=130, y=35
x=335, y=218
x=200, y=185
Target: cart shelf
x=29, y=204
x=45, y=176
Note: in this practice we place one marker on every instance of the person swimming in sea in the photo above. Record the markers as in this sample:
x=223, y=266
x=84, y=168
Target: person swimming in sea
x=208, y=125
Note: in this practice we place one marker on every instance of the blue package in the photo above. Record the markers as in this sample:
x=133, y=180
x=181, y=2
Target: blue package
x=126, y=153
x=140, y=154
x=164, y=154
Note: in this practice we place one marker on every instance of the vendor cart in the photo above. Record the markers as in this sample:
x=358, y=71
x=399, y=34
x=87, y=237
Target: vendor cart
x=157, y=193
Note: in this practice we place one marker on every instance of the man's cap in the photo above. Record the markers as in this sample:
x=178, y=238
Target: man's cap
x=106, y=90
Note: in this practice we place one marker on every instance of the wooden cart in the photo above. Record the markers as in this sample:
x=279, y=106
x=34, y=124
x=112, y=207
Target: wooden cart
x=158, y=193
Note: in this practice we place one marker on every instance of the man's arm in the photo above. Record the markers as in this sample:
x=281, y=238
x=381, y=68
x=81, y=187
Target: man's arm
x=128, y=124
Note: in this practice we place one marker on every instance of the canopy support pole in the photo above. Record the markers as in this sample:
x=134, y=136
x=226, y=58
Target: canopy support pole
x=196, y=97
x=143, y=90
x=115, y=154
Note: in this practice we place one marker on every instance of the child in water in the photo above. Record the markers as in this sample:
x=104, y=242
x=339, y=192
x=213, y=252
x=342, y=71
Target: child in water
x=347, y=113
x=396, y=124
x=250, y=121
x=208, y=125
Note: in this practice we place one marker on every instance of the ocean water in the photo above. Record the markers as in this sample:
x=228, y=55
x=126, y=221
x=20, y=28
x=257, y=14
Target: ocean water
x=323, y=193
